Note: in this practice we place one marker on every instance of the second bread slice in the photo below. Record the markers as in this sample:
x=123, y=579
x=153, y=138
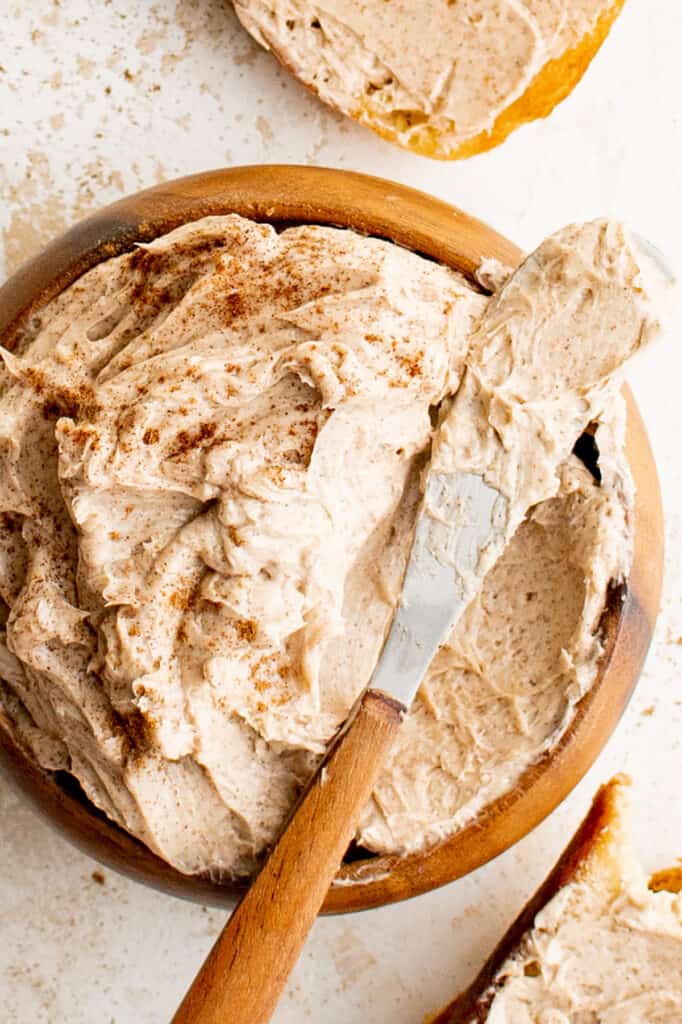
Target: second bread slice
x=598, y=941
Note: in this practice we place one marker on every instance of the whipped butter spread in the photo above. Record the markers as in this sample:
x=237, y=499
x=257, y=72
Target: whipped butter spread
x=605, y=948
x=211, y=451
x=456, y=65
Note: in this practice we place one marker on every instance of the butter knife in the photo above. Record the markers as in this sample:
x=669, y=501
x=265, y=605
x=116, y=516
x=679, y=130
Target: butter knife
x=463, y=525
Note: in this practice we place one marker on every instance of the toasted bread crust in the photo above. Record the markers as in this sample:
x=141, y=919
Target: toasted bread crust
x=669, y=880
x=594, y=843
x=553, y=83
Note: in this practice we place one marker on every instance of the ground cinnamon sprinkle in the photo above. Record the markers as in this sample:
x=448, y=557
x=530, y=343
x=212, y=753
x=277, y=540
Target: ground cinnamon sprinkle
x=150, y=436
x=246, y=629
x=234, y=536
x=35, y=378
x=411, y=364
x=232, y=306
x=139, y=730
x=185, y=440
x=51, y=411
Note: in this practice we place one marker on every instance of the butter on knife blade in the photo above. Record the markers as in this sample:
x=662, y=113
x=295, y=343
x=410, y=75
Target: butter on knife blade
x=544, y=363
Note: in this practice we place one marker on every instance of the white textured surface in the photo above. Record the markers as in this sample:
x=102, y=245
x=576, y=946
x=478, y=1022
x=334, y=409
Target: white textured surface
x=100, y=99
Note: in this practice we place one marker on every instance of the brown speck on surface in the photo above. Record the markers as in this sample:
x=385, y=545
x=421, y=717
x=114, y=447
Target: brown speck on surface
x=98, y=877
x=246, y=630
x=187, y=440
x=35, y=378
x=264, y=128
x=232, y=306
x=150, y=436
x=234, y=536
x=51, y=411
x=86, y=67
x=411, y=365
x=138, y=730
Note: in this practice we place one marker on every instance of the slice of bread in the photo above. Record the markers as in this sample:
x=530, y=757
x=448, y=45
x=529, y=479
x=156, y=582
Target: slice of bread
x=341, y=52
x=598, y=871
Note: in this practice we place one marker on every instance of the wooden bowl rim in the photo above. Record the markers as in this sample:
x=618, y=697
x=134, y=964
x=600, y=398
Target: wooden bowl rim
x=297, y=194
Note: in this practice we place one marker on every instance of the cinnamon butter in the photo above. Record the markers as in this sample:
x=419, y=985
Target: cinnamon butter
x=211, y=451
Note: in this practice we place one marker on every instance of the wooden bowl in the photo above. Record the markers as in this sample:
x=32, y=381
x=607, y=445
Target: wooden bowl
x=284, y=194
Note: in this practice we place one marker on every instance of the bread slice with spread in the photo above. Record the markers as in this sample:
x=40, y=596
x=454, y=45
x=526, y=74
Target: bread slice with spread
x=443, y=78
x=598, y=941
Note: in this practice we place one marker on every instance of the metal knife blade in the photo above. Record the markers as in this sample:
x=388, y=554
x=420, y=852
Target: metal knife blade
x=461, y=518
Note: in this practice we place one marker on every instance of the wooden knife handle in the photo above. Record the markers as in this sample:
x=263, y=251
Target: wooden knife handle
x=245, y=973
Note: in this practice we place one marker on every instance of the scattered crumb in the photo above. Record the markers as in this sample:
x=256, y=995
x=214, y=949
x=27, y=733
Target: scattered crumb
x=98, y=876
x=264, y=129
x=649, y=711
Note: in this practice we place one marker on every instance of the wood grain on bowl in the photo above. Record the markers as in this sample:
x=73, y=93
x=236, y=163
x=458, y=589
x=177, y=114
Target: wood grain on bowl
x=285, y=195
